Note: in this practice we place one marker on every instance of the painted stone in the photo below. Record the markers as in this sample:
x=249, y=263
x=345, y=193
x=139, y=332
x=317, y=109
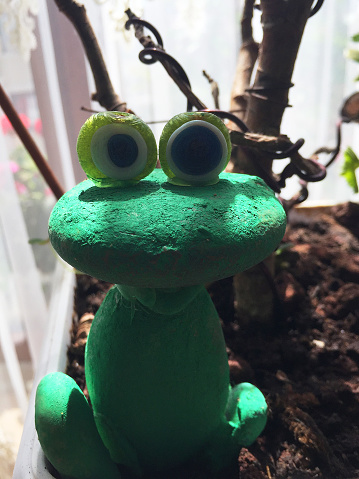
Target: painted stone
x=155, y=361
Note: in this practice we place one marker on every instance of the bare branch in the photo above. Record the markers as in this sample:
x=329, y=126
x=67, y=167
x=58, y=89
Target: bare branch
x=214, y=89
x=283, y=25
x=152, y=53
x=247, y=57
x=30, y=145
x=105, y=94
x=260, y=142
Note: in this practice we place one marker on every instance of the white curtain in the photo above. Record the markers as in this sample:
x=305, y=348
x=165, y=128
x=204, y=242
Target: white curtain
x=323, y=77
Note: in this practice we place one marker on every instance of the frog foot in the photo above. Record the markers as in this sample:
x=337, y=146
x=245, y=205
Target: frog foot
x=67, y=431
x=245, y=419
x=246, y=413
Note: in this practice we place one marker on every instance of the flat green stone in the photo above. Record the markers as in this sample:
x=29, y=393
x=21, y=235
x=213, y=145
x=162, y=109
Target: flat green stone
x=158, y=235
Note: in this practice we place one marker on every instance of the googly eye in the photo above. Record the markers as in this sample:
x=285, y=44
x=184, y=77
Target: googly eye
x=116, y=149
x=194, y=148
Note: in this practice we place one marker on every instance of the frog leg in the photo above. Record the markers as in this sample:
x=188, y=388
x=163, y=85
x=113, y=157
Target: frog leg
x=67, y=431
x=245, y=419
x=246, y=412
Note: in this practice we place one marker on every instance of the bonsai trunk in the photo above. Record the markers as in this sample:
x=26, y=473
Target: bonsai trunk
x=262, y=106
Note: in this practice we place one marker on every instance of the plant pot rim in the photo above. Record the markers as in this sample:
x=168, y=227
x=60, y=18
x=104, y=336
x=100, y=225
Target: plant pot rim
x=30, y=462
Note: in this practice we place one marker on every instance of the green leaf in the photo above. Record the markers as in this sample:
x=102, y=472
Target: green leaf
x=355, y=38
x=39, y=241
x=283, y=247
x=351, y=163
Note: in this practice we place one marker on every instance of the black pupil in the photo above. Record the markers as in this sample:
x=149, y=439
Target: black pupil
x=196, y=150
x=122, y=150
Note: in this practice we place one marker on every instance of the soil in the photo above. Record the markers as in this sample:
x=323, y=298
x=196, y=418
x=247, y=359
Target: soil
x=306, y=363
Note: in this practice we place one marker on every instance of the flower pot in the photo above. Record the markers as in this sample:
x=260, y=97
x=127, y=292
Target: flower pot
x=308, y=213
x=31, y=462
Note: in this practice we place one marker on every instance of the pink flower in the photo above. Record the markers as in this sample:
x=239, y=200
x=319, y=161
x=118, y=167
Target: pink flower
x=21, y=188
x=14, y=167
x=5, y=124
x=25, y=120
x=38, y=126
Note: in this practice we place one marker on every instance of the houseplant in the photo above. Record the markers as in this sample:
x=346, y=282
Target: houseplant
x=282, y=377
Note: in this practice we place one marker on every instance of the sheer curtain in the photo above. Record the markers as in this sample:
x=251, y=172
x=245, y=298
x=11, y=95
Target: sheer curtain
x=323, y=77
x=30, y=275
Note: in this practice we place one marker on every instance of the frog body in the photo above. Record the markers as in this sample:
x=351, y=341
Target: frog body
x=155, y=363
x=153, y=357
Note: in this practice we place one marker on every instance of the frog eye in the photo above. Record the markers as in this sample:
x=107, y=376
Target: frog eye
x=116, y=149
x=194, y=148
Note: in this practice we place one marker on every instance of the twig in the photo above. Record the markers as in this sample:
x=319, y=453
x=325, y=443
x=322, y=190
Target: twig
x=105, y=94
x=214, y=89
x=316, y=8
x=138, y=24
x=155, y=52
x=264, y=148
x=30, y=145
x=260, y=142
x=176, y=72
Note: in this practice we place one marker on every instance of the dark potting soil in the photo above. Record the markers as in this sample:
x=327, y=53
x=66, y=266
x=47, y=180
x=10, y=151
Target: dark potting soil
x=306, y=363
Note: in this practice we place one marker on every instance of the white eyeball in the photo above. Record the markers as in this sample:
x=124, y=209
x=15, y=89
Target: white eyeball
x=194, y=149
x=119, y=151
x=197, y=150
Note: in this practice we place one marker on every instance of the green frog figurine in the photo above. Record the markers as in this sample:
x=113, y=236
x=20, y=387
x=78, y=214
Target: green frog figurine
x=155, y=363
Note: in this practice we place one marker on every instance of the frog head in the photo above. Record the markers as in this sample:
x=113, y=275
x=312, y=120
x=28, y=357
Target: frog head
x=185, y=224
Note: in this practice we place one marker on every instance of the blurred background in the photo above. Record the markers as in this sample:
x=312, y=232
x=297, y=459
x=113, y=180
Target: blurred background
x=45, y=73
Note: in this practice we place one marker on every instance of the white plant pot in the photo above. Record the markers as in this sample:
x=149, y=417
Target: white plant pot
x=30, y=462
x=309, y=213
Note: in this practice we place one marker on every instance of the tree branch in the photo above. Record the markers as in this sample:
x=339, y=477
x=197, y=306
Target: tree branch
x=214, y=89
x=105, y=94
x=30, y=145
x=152, y=53
x=268, y=144
x=247, y=57
x=283, y=23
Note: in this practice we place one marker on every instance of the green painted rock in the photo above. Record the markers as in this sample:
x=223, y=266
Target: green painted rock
x=155, y=234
